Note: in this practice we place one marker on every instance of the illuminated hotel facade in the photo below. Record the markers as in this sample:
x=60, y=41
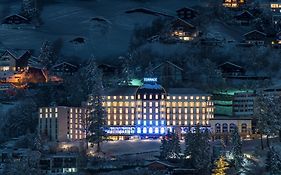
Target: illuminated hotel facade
x=149, y=111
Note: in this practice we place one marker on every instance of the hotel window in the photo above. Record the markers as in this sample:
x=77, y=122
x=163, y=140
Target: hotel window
x=203, y=97
x=132, y=122
x=150, y=104
x=156, y=97
x=144, y=123
x=108, y=122
x=115, y=123
x=108, y=103
x=156, y=110
x=197, y=104
x=150, y=96
x=114, y=110
x=46, y=110
x=197, y=111
x=144, y=96
x=114, y=97
x=191, y=110
x=127, y=110
x=132, y=110
x=168, y=97
x=197, y=97
x=144, y=103
x=108, y=110
x=40, y=110
x=174, y=122
x=121, y=103
x=174, y=110
x=108, y=97
x=144, y=117
x=114, y=117
x=127, y=117
x=150, y=110
x=191, y=104
x=156, y=117
x=191, y=122
x=156, y=104
x=174, y=104
x=41, y=115
x=126, y=97
x=191, y=117
x=191, y=97
x=56, y=115
x=132, y=97
x=144, y=110
x=150, y=117
x=174, y=97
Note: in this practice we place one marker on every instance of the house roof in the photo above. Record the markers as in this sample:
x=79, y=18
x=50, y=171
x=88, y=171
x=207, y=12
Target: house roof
x=168, y=62
x=180, y=21
x=186, y=8
x=162, y=163
x=183, y=91
x=64, y=62
x=245, y=14
x=22, y=17
x=254, y=31
x=229, y=63
x=16, y=54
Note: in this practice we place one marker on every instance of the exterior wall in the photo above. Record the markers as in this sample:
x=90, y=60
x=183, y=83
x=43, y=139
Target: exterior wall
x=62, y=123
x=130, y=115
x=217, y=126
x=243, y=104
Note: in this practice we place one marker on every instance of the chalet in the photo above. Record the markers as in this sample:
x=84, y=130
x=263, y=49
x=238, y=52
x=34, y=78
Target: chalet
x=182, y=30
x=186, y=13
x=168, y=73
x=64, y=68
x=107, y=70
x=160, y=166
x=14, y=60
x=255, y=38
x=231, y=69
x=15, y=19
x=233, y=3
x=244, y=18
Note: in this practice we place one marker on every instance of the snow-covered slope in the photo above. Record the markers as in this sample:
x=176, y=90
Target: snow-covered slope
x=72, y=18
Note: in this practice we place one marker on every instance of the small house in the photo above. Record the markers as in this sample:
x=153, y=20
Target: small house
x=255, y=37
x=244, y=18
x=64, y=68
x=231, y=69
x=14, y=60
x=15, y=19
x=186, y=13
x=182, y=30
x=168, y=73
x=233, y=3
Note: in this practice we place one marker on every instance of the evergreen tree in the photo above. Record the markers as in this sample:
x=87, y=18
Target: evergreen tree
x=236, y=148
x=128, y=72
x=273, y=162
x=29, y=8
x=174, y=145
x=261, y=112
x=47, y=55
x=164, y=148
x=96, y=131
x=198, y=150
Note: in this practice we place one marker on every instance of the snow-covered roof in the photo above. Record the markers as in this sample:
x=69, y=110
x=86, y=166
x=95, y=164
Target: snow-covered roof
x=64, y=62
x=185, y=91
x=230, y=63
x=17, y=54
x=255, y=31
x=168, y=62
x=17, y=16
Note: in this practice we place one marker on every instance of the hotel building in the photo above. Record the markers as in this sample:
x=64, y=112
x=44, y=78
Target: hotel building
x=62, y=123
x=145, y=111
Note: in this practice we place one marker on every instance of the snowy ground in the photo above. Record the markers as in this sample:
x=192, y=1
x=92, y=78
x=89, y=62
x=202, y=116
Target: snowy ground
x=71, y=19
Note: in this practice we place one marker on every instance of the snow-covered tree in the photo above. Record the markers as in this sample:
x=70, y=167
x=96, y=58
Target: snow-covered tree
x=47, y=55
x=198, y=150
x=262, y=113
x=96, y=131
x=30, y=9
x=273, y=162
x=128, y=72
x=236, y=149
x=170, y=146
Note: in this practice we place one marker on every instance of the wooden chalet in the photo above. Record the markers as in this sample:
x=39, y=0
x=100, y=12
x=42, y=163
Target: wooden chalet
x=15, y=19
x=244, y=18
x=255, y=37
x=64, y=68
x=182, y=30
x=168, y=74
x=231, y=69
x=233, y=3
x=14, y=60
x=186, y=13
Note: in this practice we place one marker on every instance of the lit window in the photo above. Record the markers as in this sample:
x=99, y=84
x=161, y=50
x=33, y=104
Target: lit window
x=156, y=96
x=144, y=123
x=144, y=96
x=40, y=110
x=156, y=130
x=156, y=123
x=126, y=97
x=150, y=122
x=150, y=130
x=162, y=122
x=132, y=97
x=144, y=130
x=191, y=97
x=138, y=130
x=162, y=130
x=41, y=115
x=150, y=96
